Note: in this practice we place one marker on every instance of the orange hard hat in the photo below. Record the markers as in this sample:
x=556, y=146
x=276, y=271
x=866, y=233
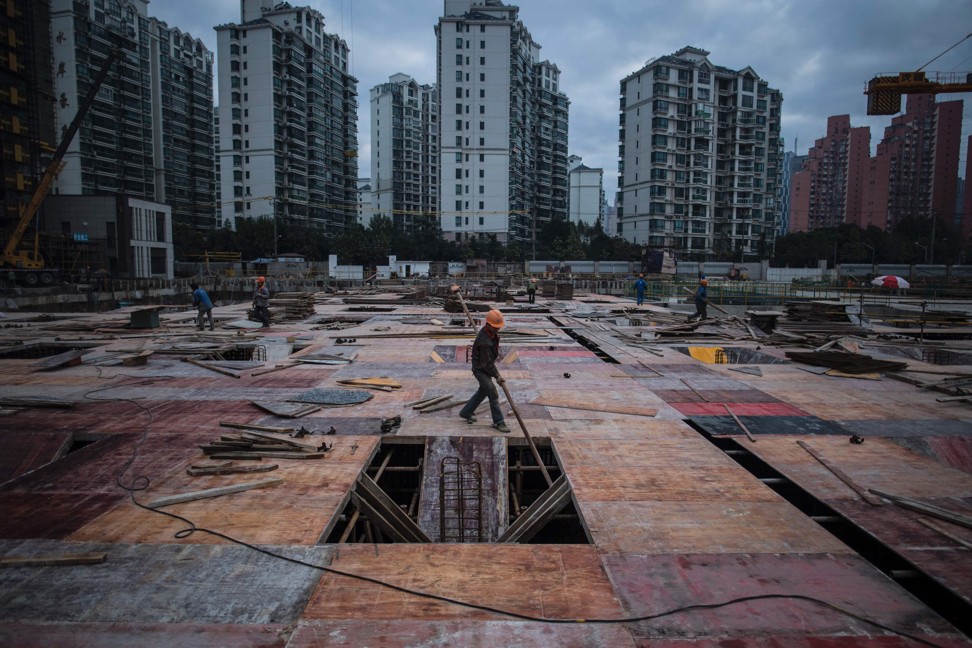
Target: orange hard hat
x=260, y=280
x=495, y=319
x=704, y=282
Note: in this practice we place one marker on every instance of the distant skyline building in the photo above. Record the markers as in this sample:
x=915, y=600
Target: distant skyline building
x=829, y=189
x=965, y=219
x=914, y=173
x=791, y=164
x=700, y=153
x=288, y=115
x=503, y=124
x=365, y=202
x=586, y=192
x=404, y=150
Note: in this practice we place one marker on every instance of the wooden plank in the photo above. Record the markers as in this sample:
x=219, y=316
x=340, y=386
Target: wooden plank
x=377, y=517
x=607, y=409
x=261, y=428
x=431, y=401
x=951, y=536
x=213, y=492
x=267, y=455
x=927, y=509
x=368, y=490
x=740, y=424
x=220, y=370
x=61, y=560
x=842, y=476
x=279, y=367
x=66, y=359
x=231, y=469
x=436, y=357
x=531, y=521
x=309, y=447
x=442, y=406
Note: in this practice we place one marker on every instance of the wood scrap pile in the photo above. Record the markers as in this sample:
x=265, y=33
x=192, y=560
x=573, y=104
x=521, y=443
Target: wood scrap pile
x=255, y=445
x=816, y=319
x=292, y=306
x=848, y=363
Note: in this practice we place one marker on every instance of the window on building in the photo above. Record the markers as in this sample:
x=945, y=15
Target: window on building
x=482, y=44
x=459, y=124
x=482, y=173
x=482, y=109
x=458, y=218
x=481, y=221
x=458, y=174
x=458, y=42
x=458, y=59
x=482, y=141
x=659, y=157
x=458, y=140
x=482, y=60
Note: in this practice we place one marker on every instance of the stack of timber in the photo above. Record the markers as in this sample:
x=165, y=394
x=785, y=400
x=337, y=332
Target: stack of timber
x=848, y=363
x=818, y=320
x=292, y=306
x=256, y=445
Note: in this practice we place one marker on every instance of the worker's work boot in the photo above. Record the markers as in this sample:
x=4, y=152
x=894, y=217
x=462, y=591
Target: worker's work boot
x=468, y=419
x=502, y=426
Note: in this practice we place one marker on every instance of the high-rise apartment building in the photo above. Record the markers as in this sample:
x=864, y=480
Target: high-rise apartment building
x=965, y=218
x=503, y=125
x=829, y=190
x=148, y=134
x=405, y=150
x=288, y=116
x=182, y=102
x=915, y=171
x=700, y=157
x=586, y=202
x=26, y=112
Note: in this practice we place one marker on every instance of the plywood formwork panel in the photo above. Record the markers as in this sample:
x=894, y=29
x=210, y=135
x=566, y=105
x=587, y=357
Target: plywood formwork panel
x=658, y=451
x=876, y=463
x=685, y=527
x=681, y=481
x=598, y=430
x=173, y=583
x=551, y=581
x=63, y=513
x=651, y=584
x=138, y=635
x=485, y=634
x=294, y=512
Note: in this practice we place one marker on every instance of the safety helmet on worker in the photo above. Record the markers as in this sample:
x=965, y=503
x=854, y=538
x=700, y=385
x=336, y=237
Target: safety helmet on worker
x=261, y=280
x=495, y=319
x=704, y=282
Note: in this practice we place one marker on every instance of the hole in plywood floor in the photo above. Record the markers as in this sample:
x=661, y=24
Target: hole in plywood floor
x=461, y=495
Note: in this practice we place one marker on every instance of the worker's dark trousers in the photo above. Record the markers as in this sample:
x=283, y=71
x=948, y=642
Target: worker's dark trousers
x=701, y=309
x=203, y=315
x=263, y=312
x=640, y=298
x=486, y=389
x=532, y=296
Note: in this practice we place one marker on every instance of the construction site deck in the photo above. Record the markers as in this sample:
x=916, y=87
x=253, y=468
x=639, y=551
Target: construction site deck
x=752, y=480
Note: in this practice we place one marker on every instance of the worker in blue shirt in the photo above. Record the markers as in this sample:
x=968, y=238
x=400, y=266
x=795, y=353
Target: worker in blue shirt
x=701, y=301
x=640, y=286
x=203, y=304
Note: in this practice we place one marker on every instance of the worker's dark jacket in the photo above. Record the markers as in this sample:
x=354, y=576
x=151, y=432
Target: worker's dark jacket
x=485, y=351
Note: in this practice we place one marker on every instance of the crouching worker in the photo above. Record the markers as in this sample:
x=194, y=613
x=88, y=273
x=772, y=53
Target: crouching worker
x=485, y=351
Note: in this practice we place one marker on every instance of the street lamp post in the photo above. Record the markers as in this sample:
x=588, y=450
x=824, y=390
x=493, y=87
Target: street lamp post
x=924, y=250
x=873, y=270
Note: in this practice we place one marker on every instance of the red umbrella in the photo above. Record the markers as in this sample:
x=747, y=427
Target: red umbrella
x=890, y=281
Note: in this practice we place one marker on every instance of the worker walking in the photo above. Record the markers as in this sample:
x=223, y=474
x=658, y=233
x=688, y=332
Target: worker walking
x=701, y=301
x=261, y=301
x=640, y=286
x=485, y=352
x=532, y=290
x=203, y=304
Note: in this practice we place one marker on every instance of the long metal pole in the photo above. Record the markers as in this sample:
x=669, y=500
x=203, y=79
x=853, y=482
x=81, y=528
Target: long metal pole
x=526, y=433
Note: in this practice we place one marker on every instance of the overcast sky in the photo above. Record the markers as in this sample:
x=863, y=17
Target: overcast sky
x=819, y=53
